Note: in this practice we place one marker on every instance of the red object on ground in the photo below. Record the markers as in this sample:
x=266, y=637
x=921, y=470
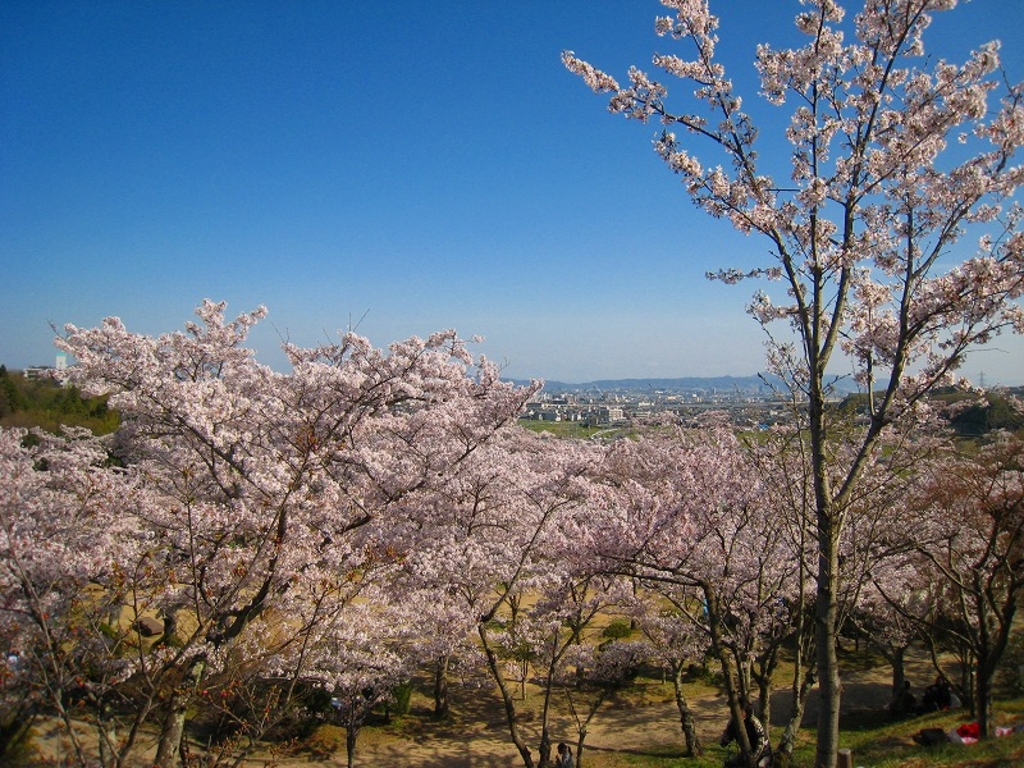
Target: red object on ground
x=969, y=731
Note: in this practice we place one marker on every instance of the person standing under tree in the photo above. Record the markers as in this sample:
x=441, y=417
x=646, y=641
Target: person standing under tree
x=564, y=758
x=760, y=748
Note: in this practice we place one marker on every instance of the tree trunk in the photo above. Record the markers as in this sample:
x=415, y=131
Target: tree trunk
x=826, y=613
x=983, y=694
x=730, y=669
x=802, y=684
x=899, y=671
x=173, y=730
x=545, y=733
x=106, y=729
x=985, y=723
x=351, y=735
x=579, y=747
x=686, y=719
x=765, y=671
x=441, y=702
x=506, y=697
x=582, y=724
x=826, y=606
x=171, y=733
x=803, y=679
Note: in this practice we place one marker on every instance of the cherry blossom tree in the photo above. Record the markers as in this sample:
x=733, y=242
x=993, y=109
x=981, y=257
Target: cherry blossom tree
x=679, y=643
x=590, y=673
x=895, y=158
x=686, y=516
x=549, y=634
x=367, y=657
x=876, y=514
x=968, y=530
x=887, y=594
x=447, y=643
x=271, y=495
x=67, y=613
x=892, y=609
x=504, y=529
x=780, y=459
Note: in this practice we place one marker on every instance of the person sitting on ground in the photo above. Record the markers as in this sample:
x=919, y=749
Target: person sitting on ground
x=760, y=748
x=937, y=696
x=564, y=759
x=903, y=703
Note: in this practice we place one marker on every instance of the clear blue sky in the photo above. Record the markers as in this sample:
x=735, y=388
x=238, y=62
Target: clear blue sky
x=402, y=167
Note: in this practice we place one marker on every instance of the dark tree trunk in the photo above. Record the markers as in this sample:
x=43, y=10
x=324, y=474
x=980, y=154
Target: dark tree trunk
x=441, y=702
x=351, y=735
x=899, y=671
x=686, y=719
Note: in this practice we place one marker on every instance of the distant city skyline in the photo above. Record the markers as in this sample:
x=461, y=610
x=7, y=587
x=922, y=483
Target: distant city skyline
x=386, y=167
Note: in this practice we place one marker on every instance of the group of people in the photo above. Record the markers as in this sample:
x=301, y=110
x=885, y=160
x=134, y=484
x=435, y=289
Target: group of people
x=937, y=696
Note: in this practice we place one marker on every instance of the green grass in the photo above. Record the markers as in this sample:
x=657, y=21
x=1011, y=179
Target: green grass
x=886, y=745
x=882, y=746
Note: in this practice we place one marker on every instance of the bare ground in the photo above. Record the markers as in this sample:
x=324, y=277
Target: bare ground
x=477, y=734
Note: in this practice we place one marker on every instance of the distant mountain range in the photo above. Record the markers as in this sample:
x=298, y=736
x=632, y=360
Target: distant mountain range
x=686, y=384
x=756, y=384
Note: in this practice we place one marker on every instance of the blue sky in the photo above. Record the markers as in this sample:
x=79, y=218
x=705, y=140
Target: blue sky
x=400, y=167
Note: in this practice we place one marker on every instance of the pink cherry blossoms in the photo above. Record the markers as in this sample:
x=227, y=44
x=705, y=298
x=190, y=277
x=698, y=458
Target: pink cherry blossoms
x=895, y=159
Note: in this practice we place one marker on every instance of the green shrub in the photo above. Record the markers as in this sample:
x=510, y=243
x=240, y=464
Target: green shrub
x=617, y=630
x=402, y=696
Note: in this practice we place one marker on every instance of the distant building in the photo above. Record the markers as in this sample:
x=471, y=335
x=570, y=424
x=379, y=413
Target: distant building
x=545, y=414
x=40, y=371
x=605, y=415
